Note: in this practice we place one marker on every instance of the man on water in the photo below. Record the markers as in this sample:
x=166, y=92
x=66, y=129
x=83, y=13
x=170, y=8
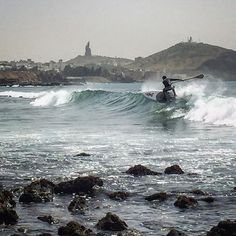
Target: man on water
x=168, y=86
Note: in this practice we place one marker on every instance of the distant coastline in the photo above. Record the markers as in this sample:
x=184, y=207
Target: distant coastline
x=185, y=58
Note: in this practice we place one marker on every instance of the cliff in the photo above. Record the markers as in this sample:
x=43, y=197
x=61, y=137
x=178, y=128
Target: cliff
x=12, y=77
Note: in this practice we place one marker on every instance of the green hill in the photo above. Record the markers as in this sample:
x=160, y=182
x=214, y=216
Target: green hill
x=191, y=58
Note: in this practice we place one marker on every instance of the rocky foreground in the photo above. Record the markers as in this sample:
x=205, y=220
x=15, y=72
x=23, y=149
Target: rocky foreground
x=87, y=187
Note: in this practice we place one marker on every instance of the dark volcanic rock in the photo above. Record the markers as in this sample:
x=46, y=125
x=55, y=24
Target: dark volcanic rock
x=82, y=154
x=49, y=219
x=207, y=199
x=175, y=232
x=6, y=198
x=79, y=185
x=185, y=202
x=78, y=204
x=175, y=169
x=111, y=222
x=224, y=228
x=199, y=192
x=73, y=228
x=139, y=170
x=118, y=196
x=8, y=215
x=38, y=191
x=162, y=196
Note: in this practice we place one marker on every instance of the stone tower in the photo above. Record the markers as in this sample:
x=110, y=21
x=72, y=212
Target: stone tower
x=88, y=50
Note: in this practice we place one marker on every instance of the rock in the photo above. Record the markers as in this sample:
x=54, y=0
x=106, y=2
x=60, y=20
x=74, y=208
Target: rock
x=185, y=202
x=207, y=199
x=47, y=218
x=21, y=230
x=6, y=198
x=224, y=228
x=130, y=232
x=162, y=196
x=75, y=229
x=139, y=170
x=175, y=169
x=111, y=222
x=8, y=215
x=79, y=185
x=118, y=196
x=82, y=154
x=78, y=204
x=199, y=192
x=175, y=232
x=38, y=191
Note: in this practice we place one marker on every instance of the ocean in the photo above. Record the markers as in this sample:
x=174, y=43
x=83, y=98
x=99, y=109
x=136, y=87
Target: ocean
x=43, y=128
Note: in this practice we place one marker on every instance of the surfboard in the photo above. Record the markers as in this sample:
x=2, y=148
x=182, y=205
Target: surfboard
x=158, y=96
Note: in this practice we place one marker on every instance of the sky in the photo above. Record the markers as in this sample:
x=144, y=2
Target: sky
x=59, y=29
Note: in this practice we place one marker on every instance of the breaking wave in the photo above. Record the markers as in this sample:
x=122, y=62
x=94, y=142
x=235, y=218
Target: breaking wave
x=199, y=102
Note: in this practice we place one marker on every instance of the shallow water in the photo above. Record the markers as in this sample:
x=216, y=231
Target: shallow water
x=43, y=128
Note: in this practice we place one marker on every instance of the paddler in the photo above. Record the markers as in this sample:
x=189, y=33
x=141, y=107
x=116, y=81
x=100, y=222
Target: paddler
x=168, y=86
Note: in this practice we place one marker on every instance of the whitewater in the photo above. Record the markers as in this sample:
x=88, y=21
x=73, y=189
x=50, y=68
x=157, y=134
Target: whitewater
x=43, y=128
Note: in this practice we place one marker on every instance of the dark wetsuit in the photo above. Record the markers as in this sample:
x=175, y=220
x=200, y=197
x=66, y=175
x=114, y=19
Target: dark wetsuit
x=168, y=86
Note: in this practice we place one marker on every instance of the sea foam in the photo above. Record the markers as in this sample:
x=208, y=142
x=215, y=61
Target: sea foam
x=52, y=98
x=208, y=105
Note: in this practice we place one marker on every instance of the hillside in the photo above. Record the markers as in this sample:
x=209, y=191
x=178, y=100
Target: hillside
x=191, y=58
x=98, y=60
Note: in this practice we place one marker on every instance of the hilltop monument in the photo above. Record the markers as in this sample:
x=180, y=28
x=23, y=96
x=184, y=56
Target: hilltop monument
x=88, y=50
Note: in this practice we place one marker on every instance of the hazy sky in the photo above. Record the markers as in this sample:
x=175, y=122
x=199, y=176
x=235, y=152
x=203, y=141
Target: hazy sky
x=54, y=29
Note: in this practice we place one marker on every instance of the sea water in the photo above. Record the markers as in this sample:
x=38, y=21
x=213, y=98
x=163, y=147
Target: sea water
x=43, y=128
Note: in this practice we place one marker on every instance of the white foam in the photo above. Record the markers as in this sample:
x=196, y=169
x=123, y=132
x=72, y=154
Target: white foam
x=215, y=110
x=208, y=105
x=16, y=94
x=53, y=98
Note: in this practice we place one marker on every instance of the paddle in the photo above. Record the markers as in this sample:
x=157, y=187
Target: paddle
x=195, y=77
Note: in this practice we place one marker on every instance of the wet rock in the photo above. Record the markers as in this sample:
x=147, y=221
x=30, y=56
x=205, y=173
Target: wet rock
x=79, y=185
x=224, y=228
x=175, y=169
x=199, y=192
x=75, y=229
x=47, y=218
x=78, y=204
x=6, y=198
x=130, y=232
x=8, y=215
x=118, y=196
x=82, y=154
x=111, y=222
x=21, y=230
x=207, y=199
x=162, y=196
x=175, y=232
x=185, y=202
x=38, y=191
x=139, y=170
